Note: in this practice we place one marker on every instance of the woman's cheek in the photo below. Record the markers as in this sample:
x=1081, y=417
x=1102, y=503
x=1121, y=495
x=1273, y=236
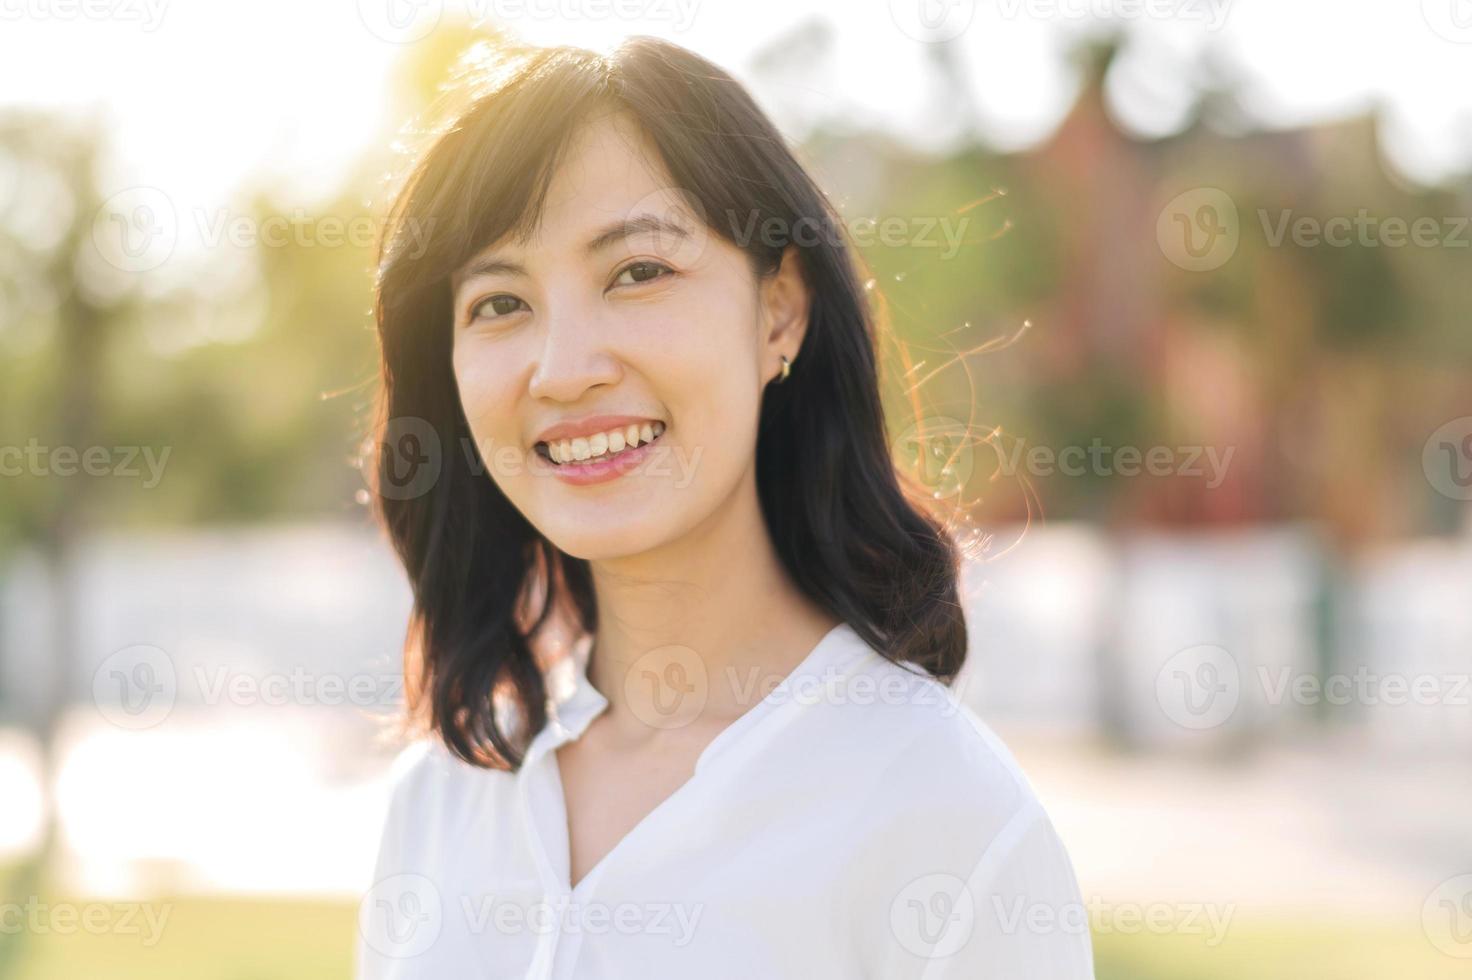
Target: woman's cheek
x=487, y=396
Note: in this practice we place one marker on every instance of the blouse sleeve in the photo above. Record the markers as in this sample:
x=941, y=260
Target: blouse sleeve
x=1019, y=915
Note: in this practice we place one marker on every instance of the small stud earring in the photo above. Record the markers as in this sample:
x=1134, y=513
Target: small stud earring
x=786, y=369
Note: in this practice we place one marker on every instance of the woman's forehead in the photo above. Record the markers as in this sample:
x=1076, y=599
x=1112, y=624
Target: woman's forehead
x=608, y=173
x=609, y=168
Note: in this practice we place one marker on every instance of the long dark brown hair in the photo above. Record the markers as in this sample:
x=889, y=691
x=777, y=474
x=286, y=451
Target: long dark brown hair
x=853, y=538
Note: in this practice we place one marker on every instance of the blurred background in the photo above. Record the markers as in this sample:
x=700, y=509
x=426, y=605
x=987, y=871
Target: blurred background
x=1179, y=301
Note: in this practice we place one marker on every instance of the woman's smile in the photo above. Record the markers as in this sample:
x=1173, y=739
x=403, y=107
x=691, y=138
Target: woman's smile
x=601, y=455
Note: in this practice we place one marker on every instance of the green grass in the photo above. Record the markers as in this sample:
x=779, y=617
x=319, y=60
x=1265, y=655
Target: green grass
x=240, y=939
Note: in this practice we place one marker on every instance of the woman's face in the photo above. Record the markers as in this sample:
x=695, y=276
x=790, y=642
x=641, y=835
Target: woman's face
x=624, y=317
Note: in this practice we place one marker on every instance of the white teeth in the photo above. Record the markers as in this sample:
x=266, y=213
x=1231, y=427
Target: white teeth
x=604, y=443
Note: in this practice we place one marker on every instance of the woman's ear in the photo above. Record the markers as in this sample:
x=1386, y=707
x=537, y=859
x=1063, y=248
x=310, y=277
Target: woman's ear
x=785, y=302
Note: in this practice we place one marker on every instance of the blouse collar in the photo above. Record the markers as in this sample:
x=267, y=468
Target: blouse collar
x=573, y=702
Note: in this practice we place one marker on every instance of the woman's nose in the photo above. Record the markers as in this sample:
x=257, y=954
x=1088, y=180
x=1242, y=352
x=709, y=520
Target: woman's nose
x=574, y=357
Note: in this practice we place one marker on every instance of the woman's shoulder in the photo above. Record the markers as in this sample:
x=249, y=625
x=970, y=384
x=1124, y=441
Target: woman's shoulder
x=947, y=819
x=927, y=768
x=428, y=782
x=426, y=765
x=956, y=823
x=435, y=802
x=926, y=730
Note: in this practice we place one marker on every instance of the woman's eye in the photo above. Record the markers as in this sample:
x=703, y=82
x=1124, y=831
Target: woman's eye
x=502, y=304
x=639, y=272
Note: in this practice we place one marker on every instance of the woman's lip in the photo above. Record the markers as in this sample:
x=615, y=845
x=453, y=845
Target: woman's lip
x=592, y=425
x=599, y=444
x=601, y=469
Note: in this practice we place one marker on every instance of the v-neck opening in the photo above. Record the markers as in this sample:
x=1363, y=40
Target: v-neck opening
x=744, y=721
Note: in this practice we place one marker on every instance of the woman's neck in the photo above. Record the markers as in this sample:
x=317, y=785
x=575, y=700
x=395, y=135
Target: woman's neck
x=721, y=598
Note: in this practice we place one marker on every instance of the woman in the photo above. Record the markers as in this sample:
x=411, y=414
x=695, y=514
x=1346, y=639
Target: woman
x=681, y=641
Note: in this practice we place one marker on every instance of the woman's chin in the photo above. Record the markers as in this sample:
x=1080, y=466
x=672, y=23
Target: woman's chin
x=606, y=538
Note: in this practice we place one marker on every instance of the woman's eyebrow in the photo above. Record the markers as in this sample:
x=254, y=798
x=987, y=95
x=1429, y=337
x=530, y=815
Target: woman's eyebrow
x=490, y=265
x=630, y=227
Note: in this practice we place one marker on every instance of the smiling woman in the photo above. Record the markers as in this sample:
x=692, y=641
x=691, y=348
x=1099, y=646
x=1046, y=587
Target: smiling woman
x=747, y=760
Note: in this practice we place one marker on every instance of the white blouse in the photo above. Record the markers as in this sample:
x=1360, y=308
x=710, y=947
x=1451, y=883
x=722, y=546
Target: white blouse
x=857, y=822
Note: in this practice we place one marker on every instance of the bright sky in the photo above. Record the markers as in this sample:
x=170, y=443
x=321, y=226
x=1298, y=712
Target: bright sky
x=201, y=94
